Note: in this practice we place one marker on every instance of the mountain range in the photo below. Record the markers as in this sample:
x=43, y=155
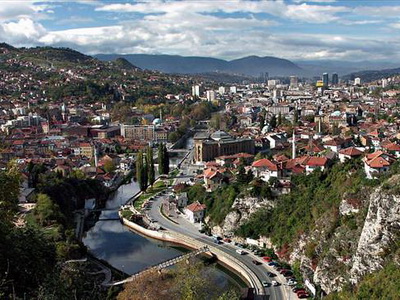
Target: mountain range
x=248, y=66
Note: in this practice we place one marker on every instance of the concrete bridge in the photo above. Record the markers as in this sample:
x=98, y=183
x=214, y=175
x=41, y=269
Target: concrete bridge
x=162, y=265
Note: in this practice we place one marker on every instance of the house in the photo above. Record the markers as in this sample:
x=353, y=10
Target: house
x=315, y=162
x=264, y=169
x=213, y=178
x=349, y=153
x=392, y=148
x=334, y=144
x=377, y=163
x=181, y=199
x=195, y=212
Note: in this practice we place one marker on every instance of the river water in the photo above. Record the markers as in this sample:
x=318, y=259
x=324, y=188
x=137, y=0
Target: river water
x=127, y=250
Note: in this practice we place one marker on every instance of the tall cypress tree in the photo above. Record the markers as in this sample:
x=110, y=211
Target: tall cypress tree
x=150, y=166
x=166, y=160
x=161, y=159
x=139, y=169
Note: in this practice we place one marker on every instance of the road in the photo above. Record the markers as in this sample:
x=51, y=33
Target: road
x=182, y=226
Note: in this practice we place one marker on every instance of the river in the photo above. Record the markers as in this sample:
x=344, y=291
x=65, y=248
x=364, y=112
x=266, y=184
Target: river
x=126, y=250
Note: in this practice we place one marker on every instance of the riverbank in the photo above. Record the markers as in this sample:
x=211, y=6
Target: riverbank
x=226, y=260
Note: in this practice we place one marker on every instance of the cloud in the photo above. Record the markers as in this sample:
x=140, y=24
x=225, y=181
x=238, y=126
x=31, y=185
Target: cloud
x=25, y=32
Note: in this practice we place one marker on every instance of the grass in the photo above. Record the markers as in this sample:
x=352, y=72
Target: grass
x=127, y=214
x=151, y=191
x=173, y=173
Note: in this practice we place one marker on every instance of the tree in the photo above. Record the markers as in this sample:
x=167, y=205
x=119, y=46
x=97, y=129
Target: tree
x=295, y=117
x=150, y=166
x=272, y=122
x=109, y=166
x=140, y=170
x=163, y=159
x=46, y=210
x=279, y=119
x=262, y=121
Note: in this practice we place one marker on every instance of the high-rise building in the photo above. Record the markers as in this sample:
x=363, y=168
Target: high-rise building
x=210, y=95
x=325, y=79
x=196, y=90
x=335, y=79
x=221, y=90
x=233, y=89
x=384, y=83
x=357, y=81
x=294, y=82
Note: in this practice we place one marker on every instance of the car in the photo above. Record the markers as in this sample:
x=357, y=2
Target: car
x=267, y=259
x=240, y=251
x=301, y=292
x=282, y=271
x=256, y=262
x=265, y=284
x=274, y=283
x=297, y=288
x=273, y=263
x=270, y=274
x=227, y=240
x=291, y=283
x=303, y=295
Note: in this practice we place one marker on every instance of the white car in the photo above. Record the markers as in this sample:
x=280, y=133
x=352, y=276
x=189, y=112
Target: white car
x=274, y=283
x=265, y=284
x=240, y=251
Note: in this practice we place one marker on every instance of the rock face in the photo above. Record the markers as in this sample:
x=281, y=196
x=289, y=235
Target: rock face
x=241, y=210
x=361, y=244
x=380, y=232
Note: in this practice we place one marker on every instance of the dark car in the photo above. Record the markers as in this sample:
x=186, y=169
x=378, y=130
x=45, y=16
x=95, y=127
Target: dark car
x=273, y=264
x=256, y=262
x=287, y=273
x=282, y=271
x=301, y=292
x=296, y=289
x=270, y=274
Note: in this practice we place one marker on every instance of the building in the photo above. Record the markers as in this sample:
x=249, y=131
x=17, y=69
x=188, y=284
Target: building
x=325, y=79
x=210, y=95
x=221, y=90
x=209, y=146
x=195, y=212
x=294, y=82
x=233, y=89
x=357, y=81
x=335, y=79
x=86, y=149
x=264, y=169
x=138, y=132
x=196, y=91
x=377, y=163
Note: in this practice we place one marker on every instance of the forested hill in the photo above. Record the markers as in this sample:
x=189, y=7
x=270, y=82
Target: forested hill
x=250, y=66
x=372, y=75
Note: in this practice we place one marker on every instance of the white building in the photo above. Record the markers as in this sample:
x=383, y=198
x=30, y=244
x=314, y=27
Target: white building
x=195, y=212
x=221, y=90
x=233, y=89
x=210, y=95
x=196, y=90
x=357, y=81
x=264, y=169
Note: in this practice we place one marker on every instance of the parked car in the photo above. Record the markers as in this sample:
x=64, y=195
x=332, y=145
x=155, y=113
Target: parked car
x=301, y=292
x=256, y=262
x=288, y=274
x=282, y=271
x=292, y=283
x=273, y=263
x=270, y=274
x=267, y=259
x=296, y=289
x=265, y=284
x=240, y=251
x=274, y=283
x=227, y=240
x=304, y=295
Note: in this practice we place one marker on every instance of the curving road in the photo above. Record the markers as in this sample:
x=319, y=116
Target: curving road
x=182, y=226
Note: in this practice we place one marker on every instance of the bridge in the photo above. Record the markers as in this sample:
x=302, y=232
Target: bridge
x=161, y=266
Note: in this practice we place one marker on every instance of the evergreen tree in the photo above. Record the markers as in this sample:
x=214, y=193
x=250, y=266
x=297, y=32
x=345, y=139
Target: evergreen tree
x=161, y=159
x=140, y=169
x=279, y=119
x=150, y=166
x=295, y=117
x=272, y=122
x=166, y=160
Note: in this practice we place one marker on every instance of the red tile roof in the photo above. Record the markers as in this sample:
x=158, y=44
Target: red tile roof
x=351, y=151
x=196, y=206
x=265, y=163
x=315, y=161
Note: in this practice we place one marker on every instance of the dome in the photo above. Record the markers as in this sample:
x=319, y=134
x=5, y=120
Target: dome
x=220, y=135
x=156, y=121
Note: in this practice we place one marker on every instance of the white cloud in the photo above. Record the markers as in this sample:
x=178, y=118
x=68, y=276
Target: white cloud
x=25, y=32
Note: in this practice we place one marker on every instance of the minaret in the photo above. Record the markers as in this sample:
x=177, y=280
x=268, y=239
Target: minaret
x=161, y=116
x=96, y=157
x=319, y=125
x=293, y=146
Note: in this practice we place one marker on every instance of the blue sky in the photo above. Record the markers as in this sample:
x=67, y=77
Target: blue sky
x=302, y=30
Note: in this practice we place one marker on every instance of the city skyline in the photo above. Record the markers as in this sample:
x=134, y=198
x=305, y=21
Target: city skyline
x=299, y=30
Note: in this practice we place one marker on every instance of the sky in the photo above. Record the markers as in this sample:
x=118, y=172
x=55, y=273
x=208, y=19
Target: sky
x=355, y=30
